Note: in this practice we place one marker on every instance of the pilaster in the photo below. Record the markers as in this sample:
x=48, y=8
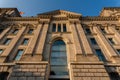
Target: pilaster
x=105, y=46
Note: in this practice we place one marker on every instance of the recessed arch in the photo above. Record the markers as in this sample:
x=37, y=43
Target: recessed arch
x=58, y=58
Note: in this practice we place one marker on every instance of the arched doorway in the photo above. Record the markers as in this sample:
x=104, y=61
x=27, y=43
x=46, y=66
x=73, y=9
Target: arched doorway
x=58, y=61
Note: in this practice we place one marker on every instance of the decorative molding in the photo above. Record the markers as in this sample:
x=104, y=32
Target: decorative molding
x=99, y=18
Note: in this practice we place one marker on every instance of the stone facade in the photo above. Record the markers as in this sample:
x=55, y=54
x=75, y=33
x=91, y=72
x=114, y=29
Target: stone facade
x=92, y=45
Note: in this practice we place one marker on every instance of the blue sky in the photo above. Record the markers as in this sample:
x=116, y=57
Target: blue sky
x=84, y=7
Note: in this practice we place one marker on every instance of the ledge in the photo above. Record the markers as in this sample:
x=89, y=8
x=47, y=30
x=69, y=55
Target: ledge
x=22, y=62
x=86, y=63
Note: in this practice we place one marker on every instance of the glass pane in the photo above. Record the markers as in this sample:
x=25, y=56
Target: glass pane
x=7, y=41
x=64, y=28
x=58, y=58
x=59, y=48
x=1, y=30
x=1, y=51
x=25, y=41
x=100, y=55
x=111, y=40
x=54, y=28
x=19, y=54
x=59, y=27
x=58, y=54
x=59, y=70
x=15, y=31
x=30, y=31
x=88, y=31
x=93, y=41
x=58, y=61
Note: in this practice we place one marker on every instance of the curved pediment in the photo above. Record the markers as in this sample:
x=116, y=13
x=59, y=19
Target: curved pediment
x=60, y=13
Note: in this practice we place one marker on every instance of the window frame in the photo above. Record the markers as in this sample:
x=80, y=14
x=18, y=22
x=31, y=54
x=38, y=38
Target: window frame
x=65, y=66
x=19, y=54
x=24, y=40
x=100, y=55
x=7, y=43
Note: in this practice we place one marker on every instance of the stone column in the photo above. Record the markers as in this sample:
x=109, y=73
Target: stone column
x=104, y=43
x=84, y=40
x=12, y=44
x=77, y=42
x=42, y=39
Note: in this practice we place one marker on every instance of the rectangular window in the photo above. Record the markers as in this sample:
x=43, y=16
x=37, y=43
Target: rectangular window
x=19, y=54
x=100, y=55
x=103, y=30
x=54, y=28
x=25, y=41
x=93, y=41
x=64, y=28
x=1, y=51
x=111, y=40
x=1, y=30
x=7, y=41
x=88, y=31
x=30, y=31
x=15, y=31
x=118, y=50
x=59, y=27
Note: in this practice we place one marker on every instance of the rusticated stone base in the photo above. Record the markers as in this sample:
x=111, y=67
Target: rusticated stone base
x=29, y=71
x=89, y=71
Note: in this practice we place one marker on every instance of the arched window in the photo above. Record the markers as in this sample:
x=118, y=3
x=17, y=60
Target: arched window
x=58, y=60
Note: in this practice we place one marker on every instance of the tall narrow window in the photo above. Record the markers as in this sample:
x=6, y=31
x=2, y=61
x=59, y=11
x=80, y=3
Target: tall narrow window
x=111, y=40
x=58, y=60
x=93, y=41
x=64, y=28
x=19, y=54
x=4, y=75
x=59, y=27
x=30, y=31
x=15, y=31
x=114, y=76
x=7, y=41
x=118, y=50
x=100, y=55
x=1, y=51
x=54, y=27
x=103, y=30
x=1, y=30
x=25, y=41
x=88, y=31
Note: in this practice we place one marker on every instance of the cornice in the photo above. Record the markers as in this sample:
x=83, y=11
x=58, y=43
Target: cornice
x=99, y=18
x=20, y=19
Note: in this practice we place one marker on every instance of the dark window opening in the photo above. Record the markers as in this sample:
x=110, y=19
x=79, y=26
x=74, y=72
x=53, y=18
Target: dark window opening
x=54, y=28
x=88, y=31
x=19, y=54
x=1, y=30
x=30, y=31
x=1, y=51
x=4, y=75
x=64, y=28
x=103, y=30
x=114, y=76
x=111, y=40
x=58, y=61
x=93, y=41
x=59, y=27
x=25, y=41
x=118, y=50
x=15, y=31
x=7, y=41
x=100, y=55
